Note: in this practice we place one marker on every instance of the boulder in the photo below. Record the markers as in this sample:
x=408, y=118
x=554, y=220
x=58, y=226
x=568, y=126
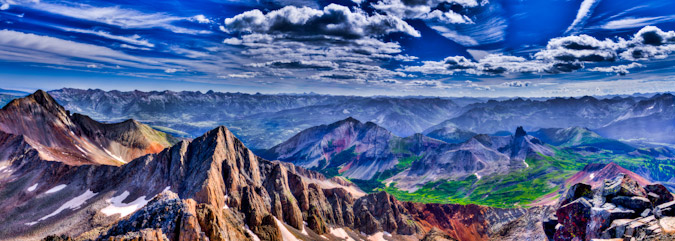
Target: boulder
x=666, y=209
x=623, y=185
x=617, y=212
x=573, y=218
x=668, y=225
x=600, y=220
x=575, y=192
x=634, y=203
x=661, y=192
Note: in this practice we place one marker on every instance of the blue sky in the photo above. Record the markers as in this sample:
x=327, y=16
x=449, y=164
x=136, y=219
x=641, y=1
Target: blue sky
x=360, y=47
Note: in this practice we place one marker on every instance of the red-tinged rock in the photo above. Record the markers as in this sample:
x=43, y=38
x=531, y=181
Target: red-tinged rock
x=573, y=217
x=663, y=195
x=599, y=221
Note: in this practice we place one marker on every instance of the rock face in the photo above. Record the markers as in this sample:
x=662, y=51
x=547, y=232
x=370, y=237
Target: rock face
x=363, y=151
x=620, y=208
x=77, y=139
x=595, y=174
x=482, y=155
x=349, y=147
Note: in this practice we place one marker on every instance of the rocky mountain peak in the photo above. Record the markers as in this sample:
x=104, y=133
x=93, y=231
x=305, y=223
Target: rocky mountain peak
x=520, y=132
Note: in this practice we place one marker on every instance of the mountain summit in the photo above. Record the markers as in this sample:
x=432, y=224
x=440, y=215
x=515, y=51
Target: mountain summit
x=77, y=139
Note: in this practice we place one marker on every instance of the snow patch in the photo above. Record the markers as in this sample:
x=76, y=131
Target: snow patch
x=73, y=204
x=114, y=156
x=253, y=236
x=116, y=206
x=592, y=176
x=379, y=236
x=123, y=209
x=478, y=176
x=340, y=233
x=57, y=188
x=285, y=234
x=32, y=188
x=651, y=107
x=80, y=148
x=304, y=230
x=526, y=165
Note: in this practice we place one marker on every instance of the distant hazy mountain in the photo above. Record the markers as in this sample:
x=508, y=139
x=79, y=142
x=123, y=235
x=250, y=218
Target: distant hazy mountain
x=650, y=120
x=4, y=99
x=261, y=121
x=494, y=116
x=449, y=133
x=579, y=137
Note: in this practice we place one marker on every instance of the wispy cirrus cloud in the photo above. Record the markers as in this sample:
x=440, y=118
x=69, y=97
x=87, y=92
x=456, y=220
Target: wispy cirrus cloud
x=133, y=39
x=114, y=15
x=583, y=14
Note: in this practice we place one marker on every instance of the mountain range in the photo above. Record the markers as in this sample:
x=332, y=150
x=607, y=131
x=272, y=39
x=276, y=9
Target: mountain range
x=208, y=188
x=68, y=175
x=263, y=121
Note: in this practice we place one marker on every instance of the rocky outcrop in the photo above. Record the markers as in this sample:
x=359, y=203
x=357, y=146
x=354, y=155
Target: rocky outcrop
x=76, y=139
x=620, y=208
x=220, y=187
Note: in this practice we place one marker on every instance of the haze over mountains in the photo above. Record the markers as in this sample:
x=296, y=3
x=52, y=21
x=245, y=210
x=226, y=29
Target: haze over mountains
x=263, y=121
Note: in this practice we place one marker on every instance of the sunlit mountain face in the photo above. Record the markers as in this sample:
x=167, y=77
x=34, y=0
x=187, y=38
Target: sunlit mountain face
x=483, y=48
x=378, y=120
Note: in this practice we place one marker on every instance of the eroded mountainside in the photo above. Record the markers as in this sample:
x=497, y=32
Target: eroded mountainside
x=214, y=188
x=77, y=139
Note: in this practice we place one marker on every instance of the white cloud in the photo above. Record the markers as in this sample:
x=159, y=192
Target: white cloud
x=631, y=22
x=245, y=75
x=171, y=70
x=517, y=83
x=134, y=39
x=333, y=20
x=124, y=18
x=4, y=6
x=424, y=9
x=564, y=54
x=584, y=13
x=619, y=69
x=335, y=44
x=201, y=19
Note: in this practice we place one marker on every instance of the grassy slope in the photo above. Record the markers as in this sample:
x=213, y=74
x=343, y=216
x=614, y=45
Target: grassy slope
x=519, y=188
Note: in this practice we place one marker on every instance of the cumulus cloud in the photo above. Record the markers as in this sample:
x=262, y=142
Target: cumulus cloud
x=334, y=44
x=201, y=19
x=425, y=9
x=4, y=6
x=564, y=54
x=489, y=65
x=619, y=69
x=517, y=84
x=333, y=20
